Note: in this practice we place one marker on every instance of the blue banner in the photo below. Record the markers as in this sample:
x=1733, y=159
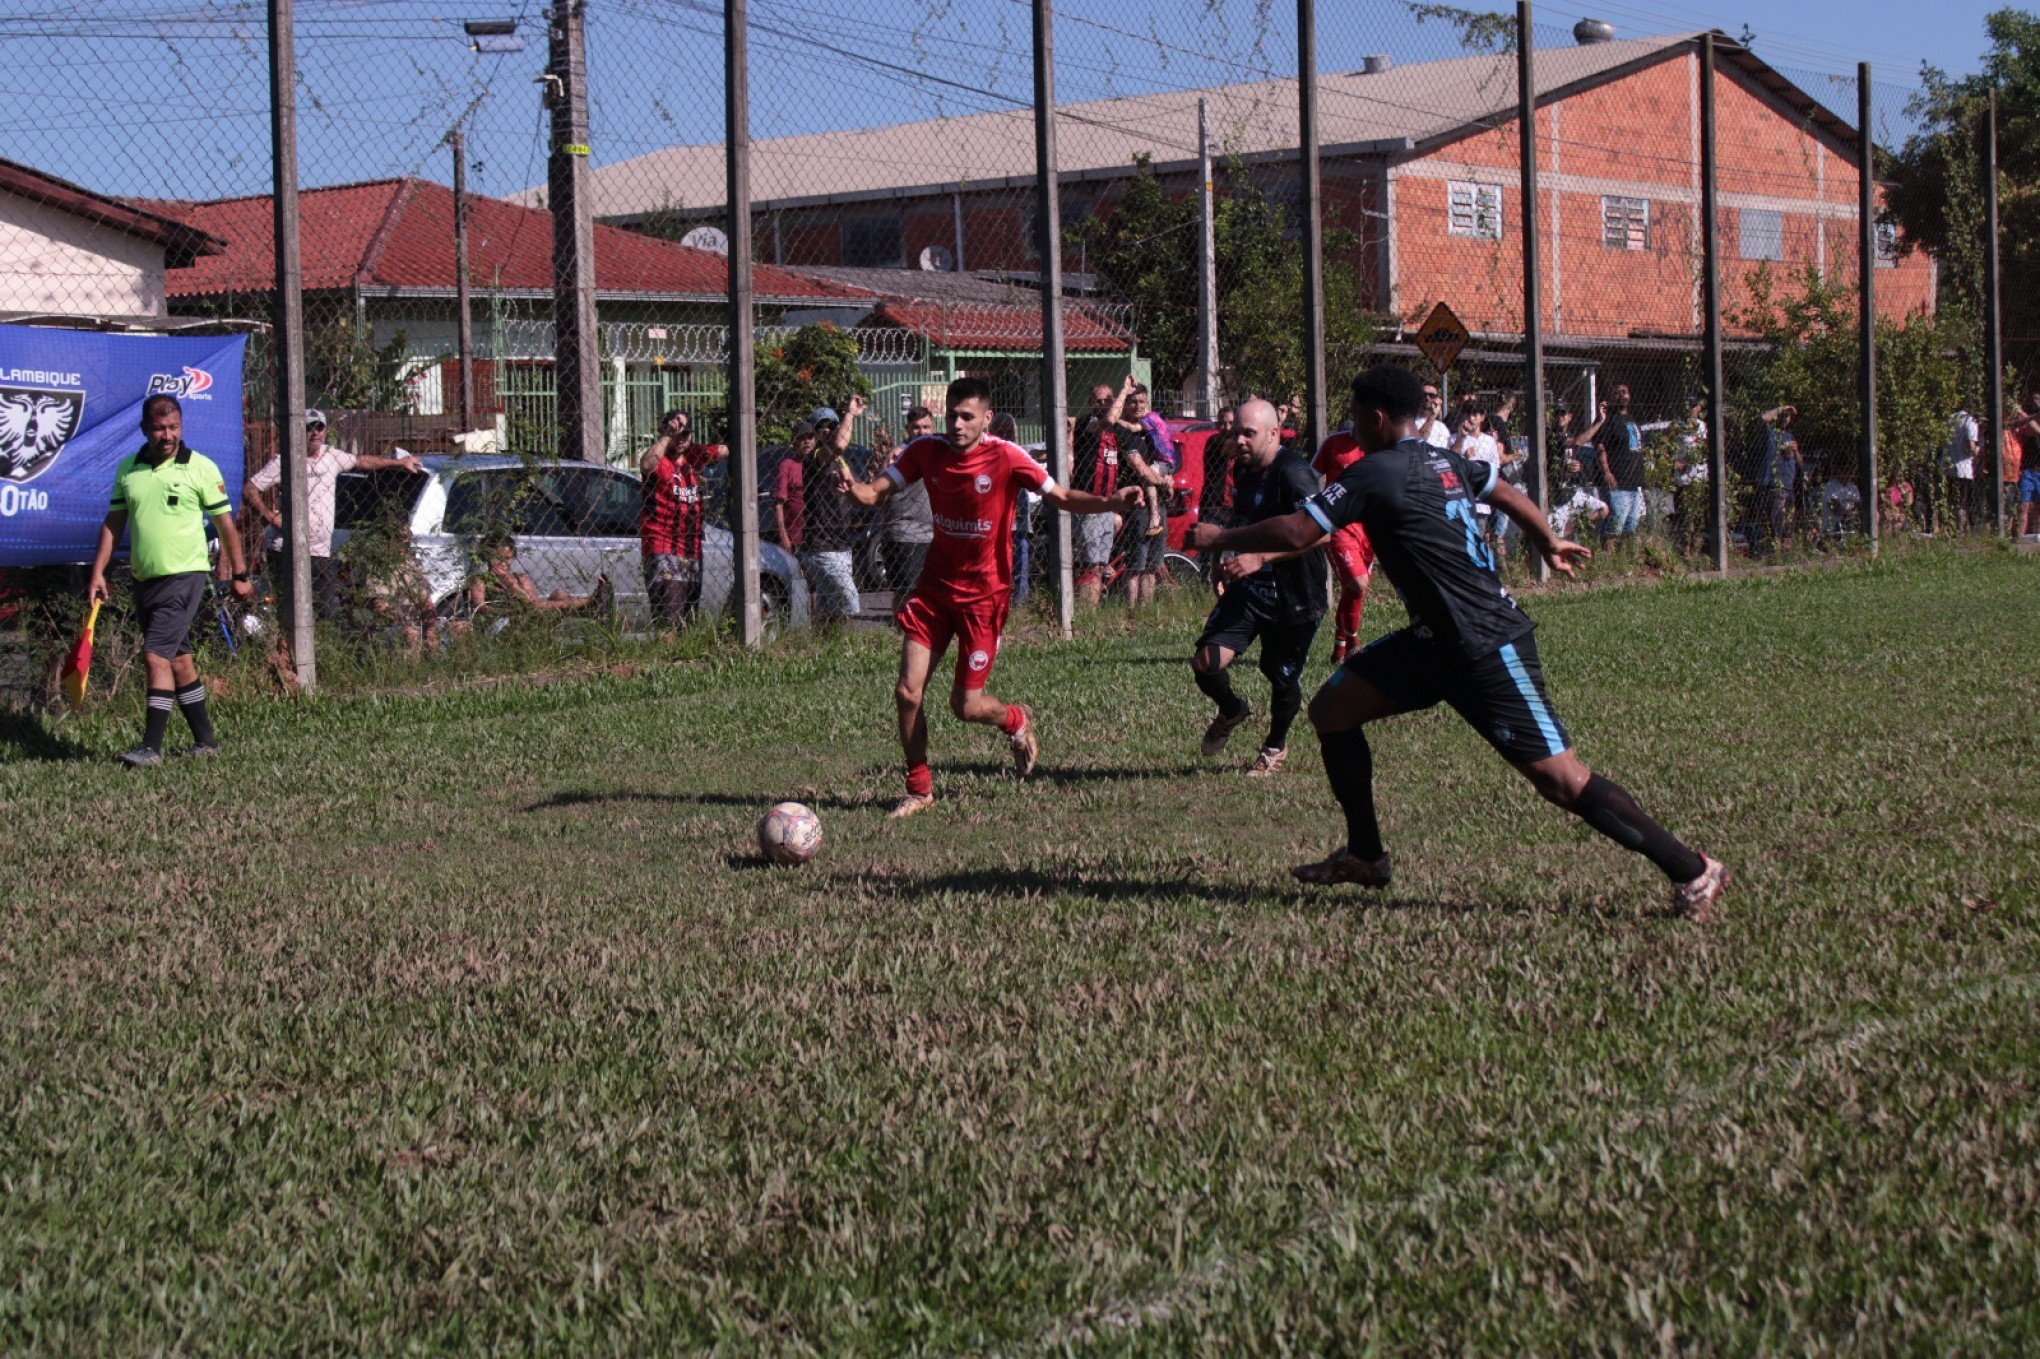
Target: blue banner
x=71, y=409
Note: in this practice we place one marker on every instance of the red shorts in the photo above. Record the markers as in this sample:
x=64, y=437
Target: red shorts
x=1351, y=553
x=976, y=628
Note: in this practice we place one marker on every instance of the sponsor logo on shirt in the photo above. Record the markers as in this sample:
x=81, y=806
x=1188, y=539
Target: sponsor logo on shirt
x=979, y=660
x=983, y=484
x=964, y=528
x=35, y=424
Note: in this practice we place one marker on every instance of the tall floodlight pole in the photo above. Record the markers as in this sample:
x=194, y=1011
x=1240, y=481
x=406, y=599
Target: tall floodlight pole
x=1055, y=399
x=1866, y=304
x=1710, y=301
x=1993, y=319
x=1313, y=223
x=287, y=343
x=577, y=373
x=1533, y=269
x=743, y=429
x=1207, y=273
x=466, y=321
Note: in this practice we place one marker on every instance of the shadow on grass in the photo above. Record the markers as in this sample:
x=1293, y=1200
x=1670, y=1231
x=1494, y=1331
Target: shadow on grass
x=583, y=798
x=1068, y=774
x=27, y=736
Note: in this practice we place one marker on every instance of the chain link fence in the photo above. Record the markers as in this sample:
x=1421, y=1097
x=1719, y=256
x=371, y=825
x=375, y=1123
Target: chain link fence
x=515, y=261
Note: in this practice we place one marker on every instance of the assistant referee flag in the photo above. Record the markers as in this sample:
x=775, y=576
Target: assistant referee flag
x=79, y=663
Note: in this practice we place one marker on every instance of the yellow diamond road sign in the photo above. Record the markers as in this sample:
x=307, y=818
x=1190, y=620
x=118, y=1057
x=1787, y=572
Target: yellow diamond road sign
x=1442, y=336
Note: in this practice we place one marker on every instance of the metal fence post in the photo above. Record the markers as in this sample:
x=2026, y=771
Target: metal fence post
x=1710, y=288
x=1048, y=243
x=1533, y=272
x=576, y=345
x=1993, y=319
x=466, y=321
x=287, y=344
x=1866, y=244
x=1207, y=274
x=1313, y=223
x=743, y=417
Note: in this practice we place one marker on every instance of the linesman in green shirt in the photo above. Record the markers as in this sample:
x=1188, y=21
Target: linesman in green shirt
x=162, y=496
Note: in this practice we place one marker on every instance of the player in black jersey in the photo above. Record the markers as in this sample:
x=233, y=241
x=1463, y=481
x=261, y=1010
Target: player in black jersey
x=1275, y=598
x=1468, y=644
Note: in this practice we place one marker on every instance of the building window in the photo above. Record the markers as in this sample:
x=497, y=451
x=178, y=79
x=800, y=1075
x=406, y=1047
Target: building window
x=1625, y=223
x=872, y=243
x=1762, y=235
x=1887, y=244
x=1474, y=210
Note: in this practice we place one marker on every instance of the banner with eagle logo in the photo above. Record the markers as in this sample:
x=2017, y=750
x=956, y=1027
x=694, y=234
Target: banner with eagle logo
x=71, y=409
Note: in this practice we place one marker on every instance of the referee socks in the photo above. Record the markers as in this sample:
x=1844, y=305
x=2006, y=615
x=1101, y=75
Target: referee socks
x=157, y=720
x=191, y=702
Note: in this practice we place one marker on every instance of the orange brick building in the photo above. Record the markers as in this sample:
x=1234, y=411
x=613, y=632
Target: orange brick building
x=1419, y=164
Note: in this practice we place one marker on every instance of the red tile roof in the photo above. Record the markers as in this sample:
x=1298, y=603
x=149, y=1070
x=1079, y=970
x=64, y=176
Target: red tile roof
x=398, y=234
x=181, y=241
x=999, y=325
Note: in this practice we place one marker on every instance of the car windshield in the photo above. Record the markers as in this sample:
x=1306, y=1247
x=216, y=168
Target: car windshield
x=370, y=497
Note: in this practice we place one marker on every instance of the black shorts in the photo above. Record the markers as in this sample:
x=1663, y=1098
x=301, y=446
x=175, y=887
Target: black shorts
x=166, y=606
x=1501, y=694
x=1242, y=615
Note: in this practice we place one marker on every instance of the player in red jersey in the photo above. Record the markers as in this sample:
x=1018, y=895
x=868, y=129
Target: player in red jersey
x=973, y=481
x=1351, y=554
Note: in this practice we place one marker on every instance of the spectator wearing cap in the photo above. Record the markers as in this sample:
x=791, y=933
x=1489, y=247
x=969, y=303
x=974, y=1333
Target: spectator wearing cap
x=324, y=463
x=669, y=516
x=814, y=515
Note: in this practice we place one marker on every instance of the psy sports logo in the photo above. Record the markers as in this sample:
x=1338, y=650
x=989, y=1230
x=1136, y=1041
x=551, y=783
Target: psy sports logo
x=193, y=384
x=35, y=424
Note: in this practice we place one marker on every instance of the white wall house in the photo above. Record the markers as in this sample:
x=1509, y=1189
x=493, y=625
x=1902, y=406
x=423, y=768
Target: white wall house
x=68, y=252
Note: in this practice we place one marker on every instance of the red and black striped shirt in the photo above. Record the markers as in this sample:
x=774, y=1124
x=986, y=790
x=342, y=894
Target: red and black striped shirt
x=669, y=518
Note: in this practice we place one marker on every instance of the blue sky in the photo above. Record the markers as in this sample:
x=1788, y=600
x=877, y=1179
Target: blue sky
x=169, y=97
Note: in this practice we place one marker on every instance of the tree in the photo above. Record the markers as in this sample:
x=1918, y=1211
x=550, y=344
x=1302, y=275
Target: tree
x=1145, y=252
x=1935, y=193
x=1810, y=361
x=814, y=366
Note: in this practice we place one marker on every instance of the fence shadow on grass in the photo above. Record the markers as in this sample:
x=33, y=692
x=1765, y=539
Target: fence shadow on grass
x=1069, y=774
x=574, y=797
x=27, y=736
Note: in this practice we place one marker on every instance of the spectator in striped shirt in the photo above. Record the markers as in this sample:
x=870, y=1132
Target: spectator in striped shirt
x=669, y=517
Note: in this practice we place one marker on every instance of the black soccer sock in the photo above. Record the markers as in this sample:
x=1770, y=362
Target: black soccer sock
x=1217, y=686
x=191, y=702
x=157, y=721
x=1349, y=766
x=1284, y=703
x=1606, y=806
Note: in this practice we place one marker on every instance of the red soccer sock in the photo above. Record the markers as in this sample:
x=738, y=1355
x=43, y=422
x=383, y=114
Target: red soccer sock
x=1015, y=718
x=920, y=780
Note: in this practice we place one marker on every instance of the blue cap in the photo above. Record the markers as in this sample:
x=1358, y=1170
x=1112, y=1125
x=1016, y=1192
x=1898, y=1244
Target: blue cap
x=824, y=416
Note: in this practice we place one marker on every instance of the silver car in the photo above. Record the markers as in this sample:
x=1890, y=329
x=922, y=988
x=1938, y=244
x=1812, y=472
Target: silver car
x=569, y=522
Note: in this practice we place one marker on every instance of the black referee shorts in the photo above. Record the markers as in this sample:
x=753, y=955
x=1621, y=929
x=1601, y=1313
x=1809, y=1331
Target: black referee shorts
x=1243, y=615
x=1501, y=694
x=166, y=606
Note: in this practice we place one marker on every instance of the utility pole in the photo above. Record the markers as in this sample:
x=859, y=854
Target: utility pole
x=1313, y=223
x=1866, y=304
x=460, y=286
x=287, y=344
x=743, y=427
x=577, y=356
x=1710, y=289
x=1207, y=274
x=1993, y=319
x=1055, y=398
x=1533, y=272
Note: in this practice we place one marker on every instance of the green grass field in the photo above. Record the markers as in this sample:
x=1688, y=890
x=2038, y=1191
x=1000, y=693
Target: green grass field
x=467, y=1020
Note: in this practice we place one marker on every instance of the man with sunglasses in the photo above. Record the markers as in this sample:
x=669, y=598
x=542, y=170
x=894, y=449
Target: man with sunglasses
x=323, y=465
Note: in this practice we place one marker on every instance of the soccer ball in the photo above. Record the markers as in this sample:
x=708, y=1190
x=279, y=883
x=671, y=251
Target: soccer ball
x=791, y=833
